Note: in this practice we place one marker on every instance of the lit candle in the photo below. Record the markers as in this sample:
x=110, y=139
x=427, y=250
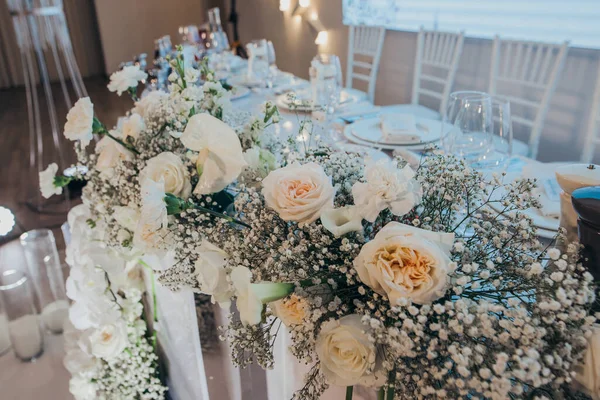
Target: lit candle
x=26, y=337
x=54, y=315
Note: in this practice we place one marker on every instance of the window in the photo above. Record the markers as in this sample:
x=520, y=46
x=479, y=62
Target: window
x=541, y=20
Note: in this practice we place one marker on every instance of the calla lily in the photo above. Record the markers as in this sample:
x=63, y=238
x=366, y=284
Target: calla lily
x=252, y=296
x=340, y=221
x=220, y=160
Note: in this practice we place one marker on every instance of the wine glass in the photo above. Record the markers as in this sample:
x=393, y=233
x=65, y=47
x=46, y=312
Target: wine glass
x=326, y=85
x=500, y=152
x=258, y=61
x=467, y=131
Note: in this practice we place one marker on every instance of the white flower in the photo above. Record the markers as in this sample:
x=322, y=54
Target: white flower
x=127, y=217
x=149, y=103
x=299, y=192
x=191, y=75
x=221, y=160
x=77, y=361
x=126, y=78
x=109, y=341
x=152, y=226
x=248, y=303
x=212, y=273
x=406, y=262
x=340, y=221
x=47, y=181
x=169, y=168
x=133, y=126
x=260, y=160
x=291, y=310
x=588, y=373
x=82, y=388
x=347, y=356
x=80, y=120
x=386, y=187
x=252, y=296
x=110, y=152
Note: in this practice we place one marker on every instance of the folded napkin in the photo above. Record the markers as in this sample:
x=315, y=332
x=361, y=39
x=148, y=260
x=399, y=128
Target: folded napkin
x=548, y=189
x=399, y=129
x=356, y=111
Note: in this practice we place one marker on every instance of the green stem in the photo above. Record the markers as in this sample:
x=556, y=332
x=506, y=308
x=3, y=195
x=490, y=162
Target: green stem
x=221, y=215
x=381, y=393
x=154, y=301
x=349, y=390
x=390, y=393
x=122, y=143
x=391, y=388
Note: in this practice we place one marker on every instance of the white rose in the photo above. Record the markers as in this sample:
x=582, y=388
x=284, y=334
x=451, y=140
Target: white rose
x=109, y=341
x=340, y=221
x=77, y=361
x=80, y=120
x=299, y=192
x=588, y=373
x=126, y=78
x=220, y=160
x=82, y=388
x=252, y=296
x=47, y=181
x=386, y=187
x=152, y=226
x=406, y=262
x=346, y=354
x=110, y=153
x=149, y=103
x=212, y=274
x=127, y=217
x=291, y=311
x=133, y=126
x=169, y=168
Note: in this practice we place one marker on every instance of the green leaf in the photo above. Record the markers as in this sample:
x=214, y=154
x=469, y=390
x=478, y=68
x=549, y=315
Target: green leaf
x=175, y=205
x=268, y=291
x=62, y=181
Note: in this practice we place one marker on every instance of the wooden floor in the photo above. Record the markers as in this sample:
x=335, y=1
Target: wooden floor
x=18, y=180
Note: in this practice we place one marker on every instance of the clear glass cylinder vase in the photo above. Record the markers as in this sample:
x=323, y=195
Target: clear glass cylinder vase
x=45, y=271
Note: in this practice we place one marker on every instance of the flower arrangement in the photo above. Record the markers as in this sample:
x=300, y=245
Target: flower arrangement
x=404, y=280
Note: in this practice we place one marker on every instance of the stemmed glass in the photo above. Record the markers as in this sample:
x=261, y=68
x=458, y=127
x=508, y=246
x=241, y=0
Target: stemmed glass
x=326, y=86
x=273, y=70
x=258, y=61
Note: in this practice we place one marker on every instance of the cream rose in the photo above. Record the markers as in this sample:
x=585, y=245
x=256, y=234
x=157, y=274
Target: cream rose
x=110, y=152
x=588, y=373
x=109, y=341
x=169, y=168
x=346, y=354
x=299, y=192
x=80, y=120
x=291, y=310
x=406, y=262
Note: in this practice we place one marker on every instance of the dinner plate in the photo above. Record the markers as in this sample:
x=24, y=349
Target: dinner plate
x=539, y=221
x=239, y=92
x=282, y=78
x=413, y=147
x=369, y=130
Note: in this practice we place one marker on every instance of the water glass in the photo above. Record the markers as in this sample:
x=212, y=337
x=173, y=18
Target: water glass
x=218, y=37
x=45, y=271
x=258, y=61
x=326, y=82
x=468, y=126
x=23, y=323
x=502, y=140
x=4, y=335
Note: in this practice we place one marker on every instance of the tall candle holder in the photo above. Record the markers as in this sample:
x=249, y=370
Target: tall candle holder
x=23, y=326
x=42, y=34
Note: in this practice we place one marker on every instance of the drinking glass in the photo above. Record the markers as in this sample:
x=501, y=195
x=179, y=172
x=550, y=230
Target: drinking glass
x=218, y=37
x=4, y=336
x=258, y=61
x=326, y=81
x=467, y=130
x=45, y=271
x=273, y=70
x=23, y=326
x=500, y=152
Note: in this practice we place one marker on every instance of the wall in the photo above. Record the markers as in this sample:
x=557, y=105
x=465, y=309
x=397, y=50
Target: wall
x=563, y=135
x=129, y=27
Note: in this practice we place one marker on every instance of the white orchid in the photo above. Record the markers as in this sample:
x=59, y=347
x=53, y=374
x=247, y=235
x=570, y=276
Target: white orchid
x=212, y=273
x=220, y=160
x=340, y=221
x=153, y=222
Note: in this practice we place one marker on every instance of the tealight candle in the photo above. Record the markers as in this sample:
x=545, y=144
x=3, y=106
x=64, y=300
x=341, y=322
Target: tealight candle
x=4, y=337
x=26, y=337
x=54, y=315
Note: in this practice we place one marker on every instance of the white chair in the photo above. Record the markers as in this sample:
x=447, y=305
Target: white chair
x=591, y=138
x=438, y=53
x=366, y=42
x=526, y=74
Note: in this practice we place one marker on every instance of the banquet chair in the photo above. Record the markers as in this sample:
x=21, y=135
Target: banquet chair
x=436, y=61
x=592, y=137
x=367, y=43
x=526, y=73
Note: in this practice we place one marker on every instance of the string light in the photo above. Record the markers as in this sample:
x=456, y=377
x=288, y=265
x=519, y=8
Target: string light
x=284, y=5
x=304, y=3
x=322, y=38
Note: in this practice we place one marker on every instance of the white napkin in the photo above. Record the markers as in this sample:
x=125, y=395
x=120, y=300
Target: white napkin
x=355, y=111
x=547, y=187
x=399, y=129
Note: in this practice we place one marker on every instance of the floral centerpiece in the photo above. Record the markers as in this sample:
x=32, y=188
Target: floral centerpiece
x=399, y=279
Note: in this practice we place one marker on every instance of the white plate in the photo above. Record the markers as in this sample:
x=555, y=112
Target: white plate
x=242, y=80
x=239, y=91
x=304, y=102
x=539, y=221
x=369, y=130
